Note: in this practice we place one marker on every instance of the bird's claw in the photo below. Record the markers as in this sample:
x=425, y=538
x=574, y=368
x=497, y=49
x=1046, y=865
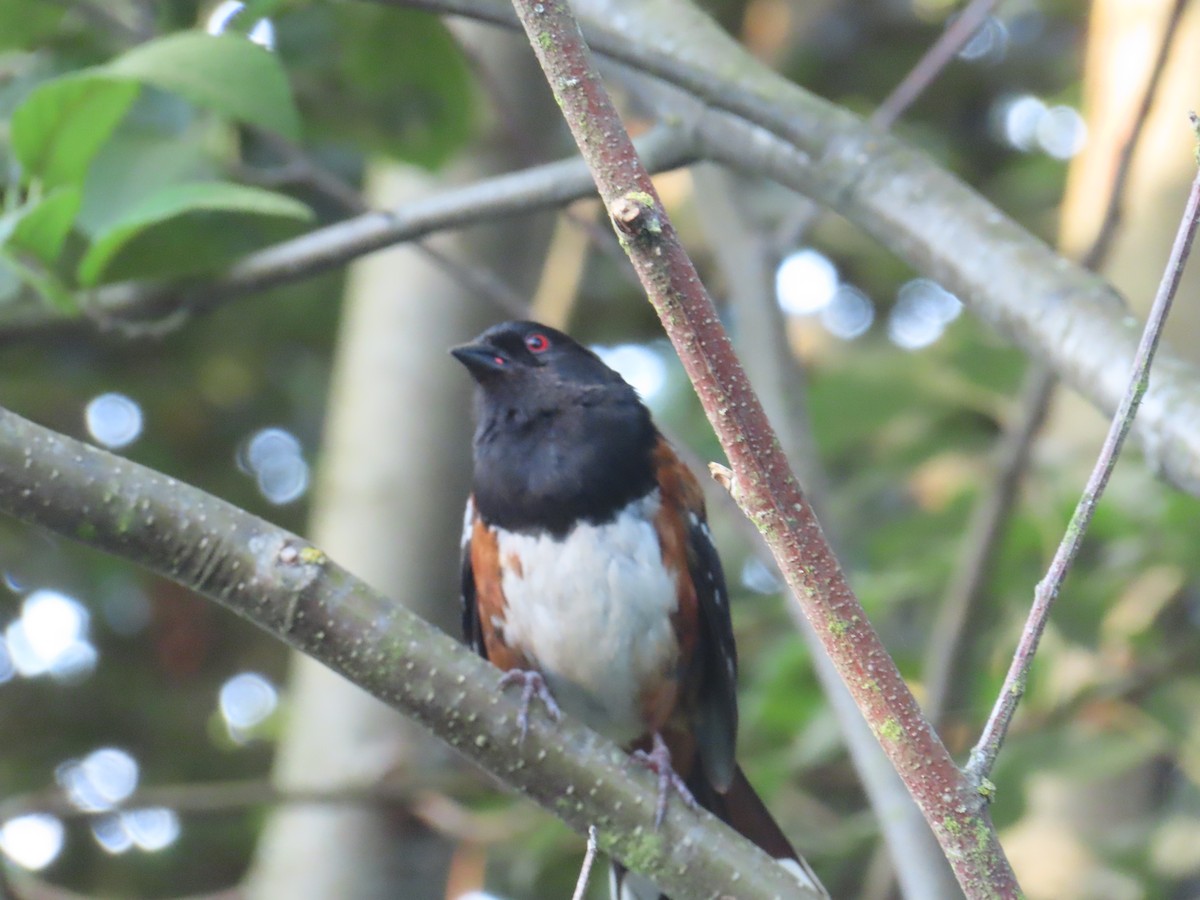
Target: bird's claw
x=532, y=685
x=658, y=760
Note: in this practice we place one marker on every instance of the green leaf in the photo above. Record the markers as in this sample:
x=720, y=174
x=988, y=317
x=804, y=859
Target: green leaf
x=226, y=73
x=184, y=229
x=62, y=123
x=41, y=228
x=391, y=79
x=139, y=160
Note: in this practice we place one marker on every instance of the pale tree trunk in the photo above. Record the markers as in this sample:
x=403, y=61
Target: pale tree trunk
x=388, y=506
x=1165, y=163
x=1123, y=37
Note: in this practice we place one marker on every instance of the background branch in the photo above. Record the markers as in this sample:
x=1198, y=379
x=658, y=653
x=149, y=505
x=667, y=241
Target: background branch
x=300, y=168
x=430, y=808
x=958, y=32
x=136, y=306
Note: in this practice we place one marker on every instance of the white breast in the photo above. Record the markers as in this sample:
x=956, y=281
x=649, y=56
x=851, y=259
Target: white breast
x=592, y=612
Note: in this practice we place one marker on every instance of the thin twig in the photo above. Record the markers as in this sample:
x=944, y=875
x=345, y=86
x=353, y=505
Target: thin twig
x=1102, y=245
x=953, y=38
x=983, y=756
x=585, y=871
x=300, y=168
x=764, y=484
x=475, y=278
x=929, y=66
x=986, y=526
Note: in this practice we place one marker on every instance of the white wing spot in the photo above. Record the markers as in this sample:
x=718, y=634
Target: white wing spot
x=468, y=521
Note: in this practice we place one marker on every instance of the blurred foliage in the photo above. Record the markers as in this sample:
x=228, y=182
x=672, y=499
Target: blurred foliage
x=130, y=149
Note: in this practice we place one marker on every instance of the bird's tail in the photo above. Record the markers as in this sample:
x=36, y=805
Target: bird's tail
x=741, y=809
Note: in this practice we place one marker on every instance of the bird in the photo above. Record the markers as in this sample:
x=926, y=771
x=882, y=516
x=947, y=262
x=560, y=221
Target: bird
x=590, y=576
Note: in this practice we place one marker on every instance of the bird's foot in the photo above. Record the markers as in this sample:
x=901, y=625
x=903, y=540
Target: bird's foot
x=658, y=760
x=532, y=685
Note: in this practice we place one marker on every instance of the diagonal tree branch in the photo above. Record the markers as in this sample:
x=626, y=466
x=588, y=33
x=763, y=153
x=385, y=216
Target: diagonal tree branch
x=763, y=483
x=295, y=592
x=743, y=255
x=983, y=756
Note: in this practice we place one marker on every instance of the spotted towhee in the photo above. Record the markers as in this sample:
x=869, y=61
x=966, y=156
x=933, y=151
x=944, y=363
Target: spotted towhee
x=588, y=569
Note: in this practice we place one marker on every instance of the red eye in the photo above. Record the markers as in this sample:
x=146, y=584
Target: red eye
x=537, y=342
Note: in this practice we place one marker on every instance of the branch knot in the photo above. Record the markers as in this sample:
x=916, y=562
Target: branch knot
x=636, y=214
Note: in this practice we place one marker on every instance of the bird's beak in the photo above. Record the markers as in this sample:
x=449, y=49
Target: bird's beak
x=481, y=359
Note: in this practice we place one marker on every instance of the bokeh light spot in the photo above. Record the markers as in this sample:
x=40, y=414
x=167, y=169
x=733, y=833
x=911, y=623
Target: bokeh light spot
x=849, y=314
x=640, y=366
x=219, y=20
x=1018, y=118
x=152, y=829
x=50, y=637
x=32, y=841
x=923, y=310
x=1061, y=132
x=1027, y=123
x=273, y=456
x=988, y=44
x=246, y=700
x=112, y=835
x=113, y=420
x=805, y=282
x=759, y=577
x=99, y=781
